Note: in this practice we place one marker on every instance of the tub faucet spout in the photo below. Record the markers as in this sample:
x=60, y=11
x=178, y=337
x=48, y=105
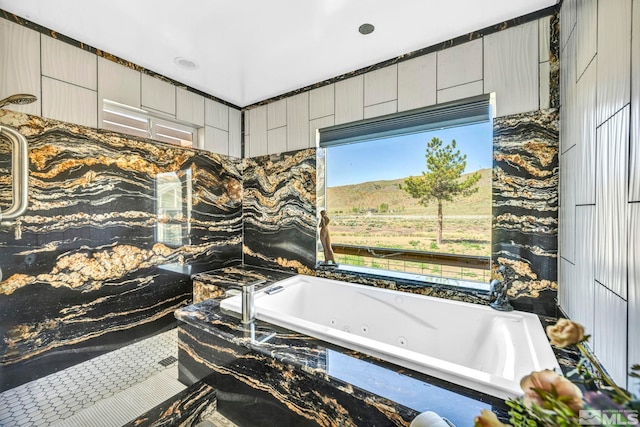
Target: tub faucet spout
x=248, y=308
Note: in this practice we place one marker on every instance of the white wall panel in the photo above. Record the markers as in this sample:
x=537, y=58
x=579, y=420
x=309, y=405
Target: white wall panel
x=20, y=64
x=322, y=101
x=381, y=85
x=610, y=333
x=417, y=82
x=258, y=130
x=277, y=140
x=544, y=34
x=634, y=161
x=118, y=83
x=189, y=107
x=586, y=33
x=216, y=114
x=460, y=92
x=381, y=109
x=277, y=114
x=349, y=100
x=586, y=137
x=70, y=64
x=235, y=132
x=634, y=287
x=216, y=140
x=567, y=209
x=298, y=122
x=611, y=202
x=158, y=95
x=568, y=97
x=316, y=124
x=69, y=103
x=567, y=287
x=247, y=120
x=460, y=64
x=614, y=57
x=544, y=85
x=511, y=68
x=582, y=294
x=567, y=21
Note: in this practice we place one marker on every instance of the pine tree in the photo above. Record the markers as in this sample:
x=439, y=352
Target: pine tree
x=440, y=182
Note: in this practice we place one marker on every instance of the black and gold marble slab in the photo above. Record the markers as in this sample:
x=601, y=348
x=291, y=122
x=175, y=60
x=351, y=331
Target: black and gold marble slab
x=411, y=286
x=87, y=268
x=265, y=376
x=214, y=283
x=279, y=207
x=186, y=409
x=525, y=206
x=554, y=61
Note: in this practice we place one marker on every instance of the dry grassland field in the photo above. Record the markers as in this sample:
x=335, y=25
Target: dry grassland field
x=468, y=235
x=380, y=213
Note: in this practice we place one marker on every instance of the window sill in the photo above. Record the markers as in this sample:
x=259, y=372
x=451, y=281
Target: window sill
x=411, y=278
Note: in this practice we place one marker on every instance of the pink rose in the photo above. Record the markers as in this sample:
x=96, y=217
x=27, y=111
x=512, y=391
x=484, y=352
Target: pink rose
x=565, y=332
x=546, y=380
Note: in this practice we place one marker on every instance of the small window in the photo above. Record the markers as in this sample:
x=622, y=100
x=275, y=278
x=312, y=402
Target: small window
x=134, y=121
x=173, y=207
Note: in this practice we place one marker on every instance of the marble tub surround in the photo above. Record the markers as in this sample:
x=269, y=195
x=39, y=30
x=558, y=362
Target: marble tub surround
x=287, y=374
x=187, y=408
x=279, y=207
x=101, y=257
x=525, y=206
x=214, y=283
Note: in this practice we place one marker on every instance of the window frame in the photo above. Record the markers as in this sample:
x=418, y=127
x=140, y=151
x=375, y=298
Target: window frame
x=482, y=110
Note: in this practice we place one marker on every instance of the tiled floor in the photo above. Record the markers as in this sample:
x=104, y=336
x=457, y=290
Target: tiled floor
x=108, y=390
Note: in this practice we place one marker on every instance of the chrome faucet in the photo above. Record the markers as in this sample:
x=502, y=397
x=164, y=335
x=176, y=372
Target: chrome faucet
x=498, y=291
x=248, y=308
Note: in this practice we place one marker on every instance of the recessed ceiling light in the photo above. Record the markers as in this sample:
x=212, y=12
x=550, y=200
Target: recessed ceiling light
x=185, y=63
x=366, y=29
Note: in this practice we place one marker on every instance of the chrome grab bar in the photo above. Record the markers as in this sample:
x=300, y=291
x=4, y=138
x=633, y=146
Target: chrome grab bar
x=19, y=173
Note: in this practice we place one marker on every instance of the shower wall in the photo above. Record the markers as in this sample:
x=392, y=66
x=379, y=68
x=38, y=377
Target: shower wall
x=103, y=255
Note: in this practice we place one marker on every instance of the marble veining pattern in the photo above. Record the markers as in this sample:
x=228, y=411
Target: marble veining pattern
x=88, y=259
x=279, y=208
x=525, y=203
x=187, y=408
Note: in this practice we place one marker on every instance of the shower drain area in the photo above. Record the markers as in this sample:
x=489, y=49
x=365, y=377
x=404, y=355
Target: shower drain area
x=89, y=393
x=168, y=361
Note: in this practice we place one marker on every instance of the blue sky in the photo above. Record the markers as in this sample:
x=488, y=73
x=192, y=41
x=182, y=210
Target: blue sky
x=403, y=156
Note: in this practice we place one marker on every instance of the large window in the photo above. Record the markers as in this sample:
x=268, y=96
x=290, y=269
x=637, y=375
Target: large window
x=381, y=218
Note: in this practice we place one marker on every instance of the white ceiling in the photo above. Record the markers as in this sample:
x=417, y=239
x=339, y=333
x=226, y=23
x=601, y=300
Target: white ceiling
x=251, y=50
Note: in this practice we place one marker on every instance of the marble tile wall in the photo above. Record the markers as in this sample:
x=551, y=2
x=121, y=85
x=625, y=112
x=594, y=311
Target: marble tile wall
x=279, y=208
x=103, y=255
x=525, y=205
x=598, y=245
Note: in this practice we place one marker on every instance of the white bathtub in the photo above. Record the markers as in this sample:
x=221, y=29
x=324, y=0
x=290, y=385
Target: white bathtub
x=467, y=344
